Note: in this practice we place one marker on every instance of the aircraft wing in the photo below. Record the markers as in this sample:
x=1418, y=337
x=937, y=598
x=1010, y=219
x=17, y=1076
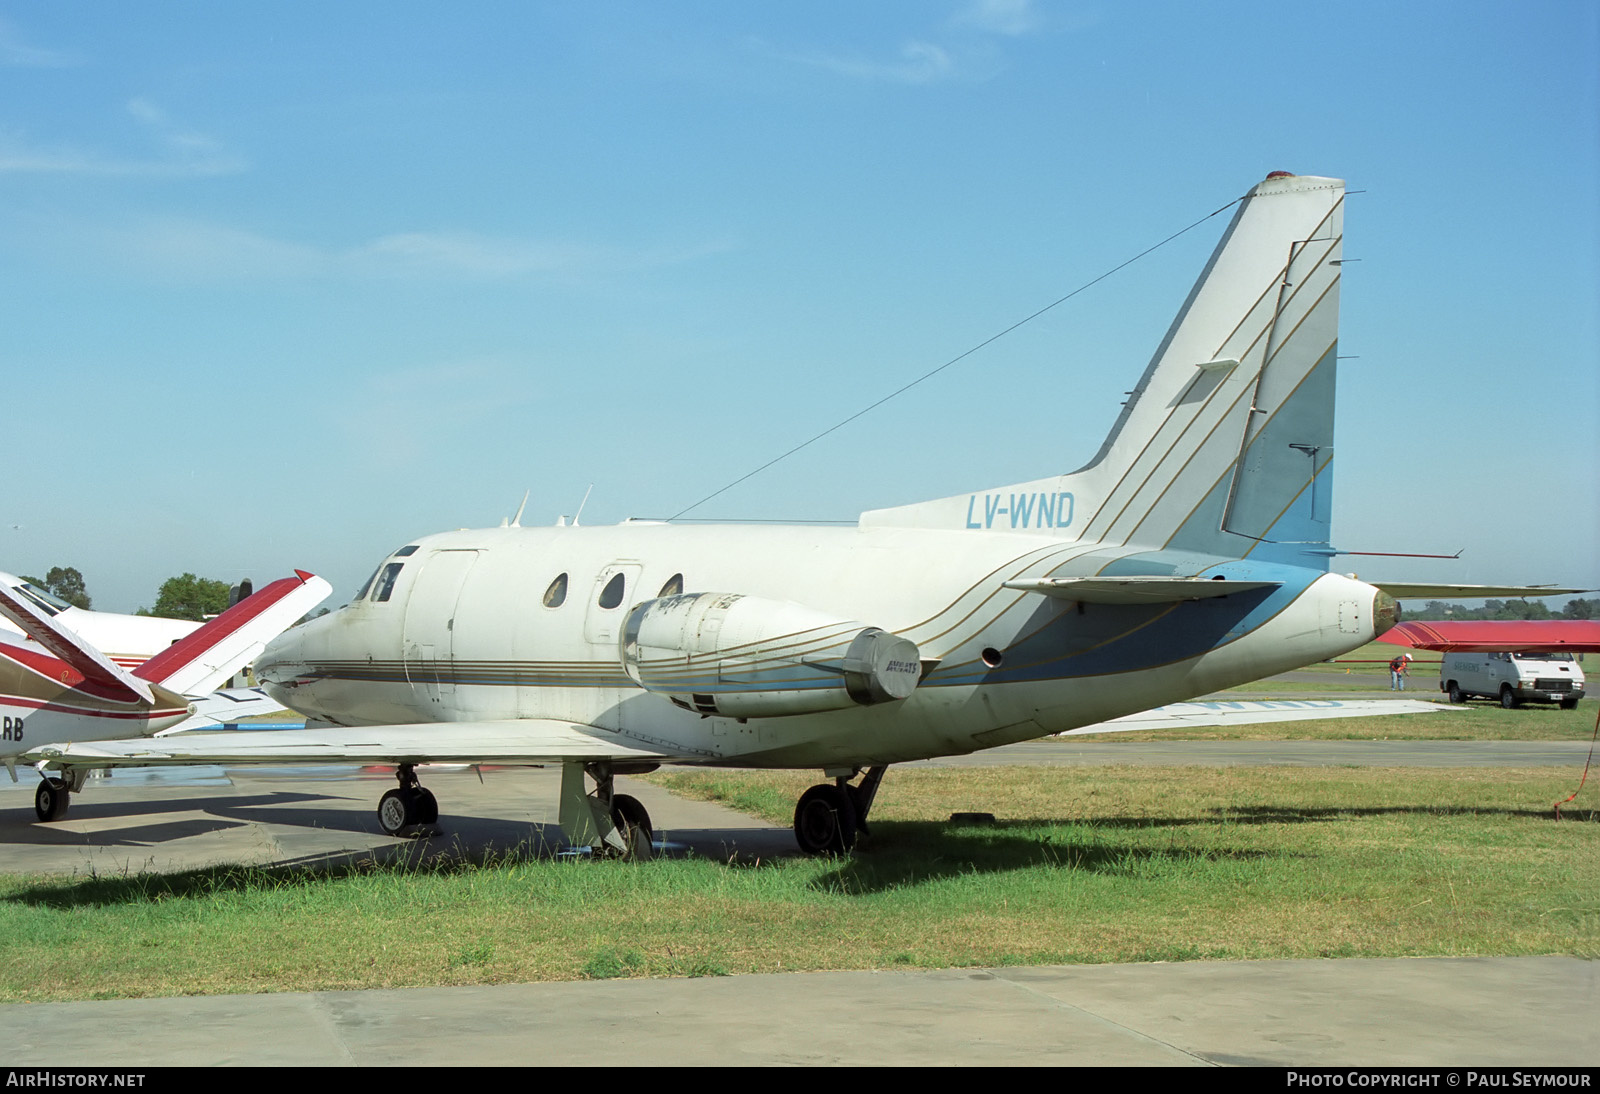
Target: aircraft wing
x=1202, y=713
x=1488, y=635
x=1136, y=590
x=1406, y=590
x=512, y=741
x=66, y=646
x=230, y=705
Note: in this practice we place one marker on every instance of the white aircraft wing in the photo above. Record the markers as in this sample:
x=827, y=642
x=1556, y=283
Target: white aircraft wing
x=512, y=741
x=1200, y=714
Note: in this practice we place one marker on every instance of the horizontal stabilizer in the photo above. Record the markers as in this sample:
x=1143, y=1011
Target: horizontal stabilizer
x=209, y=655
x=514, y=741
x=65, y=645
x=1136, y=590
x=1497, y=635
x=1402, y=590
x=1201, y=714
x=209, y=712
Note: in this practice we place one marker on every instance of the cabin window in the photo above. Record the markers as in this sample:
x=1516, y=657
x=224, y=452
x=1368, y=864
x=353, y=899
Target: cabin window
x=48, y=602
x=556, y=594
x=386, y=582
x=673, y=587
x=611, y=595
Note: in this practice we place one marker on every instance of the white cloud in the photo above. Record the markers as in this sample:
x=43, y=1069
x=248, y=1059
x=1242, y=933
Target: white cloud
x=177, y=152
x=1008, y=17
x=15, y=53
x=919, y=63
x=194, y=249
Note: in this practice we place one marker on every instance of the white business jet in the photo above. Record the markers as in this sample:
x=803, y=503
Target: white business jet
x=1189, y=555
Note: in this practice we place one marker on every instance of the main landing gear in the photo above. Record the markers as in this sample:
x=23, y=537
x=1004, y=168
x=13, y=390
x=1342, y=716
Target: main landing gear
x=829, y=815
x=610, y=824
x=409, y=806
x=55, y=792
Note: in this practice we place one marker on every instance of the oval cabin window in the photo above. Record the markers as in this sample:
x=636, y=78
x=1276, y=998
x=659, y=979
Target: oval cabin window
x=611, y=595
x=556, y=594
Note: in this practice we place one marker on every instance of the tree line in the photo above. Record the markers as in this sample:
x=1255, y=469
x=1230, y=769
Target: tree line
x=183, y=597
x=1503, y=609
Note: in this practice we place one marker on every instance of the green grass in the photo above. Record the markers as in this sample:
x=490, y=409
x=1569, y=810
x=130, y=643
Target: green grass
x=1083, y=865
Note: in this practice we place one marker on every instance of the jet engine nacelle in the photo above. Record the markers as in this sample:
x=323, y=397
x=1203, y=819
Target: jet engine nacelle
x=748, y=657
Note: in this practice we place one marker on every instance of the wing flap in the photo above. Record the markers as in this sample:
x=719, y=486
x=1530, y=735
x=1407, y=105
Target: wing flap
x=526, y=740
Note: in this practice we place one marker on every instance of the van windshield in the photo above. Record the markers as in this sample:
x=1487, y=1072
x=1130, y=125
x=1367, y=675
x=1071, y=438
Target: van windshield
x=1534, y=655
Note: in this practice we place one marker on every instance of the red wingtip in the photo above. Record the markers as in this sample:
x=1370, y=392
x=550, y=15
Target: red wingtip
x=304, y=575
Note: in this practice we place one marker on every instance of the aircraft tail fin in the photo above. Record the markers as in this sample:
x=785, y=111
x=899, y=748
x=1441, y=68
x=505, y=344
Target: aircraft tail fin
x=1225, y=446
x=210, y=654
x=65, y=645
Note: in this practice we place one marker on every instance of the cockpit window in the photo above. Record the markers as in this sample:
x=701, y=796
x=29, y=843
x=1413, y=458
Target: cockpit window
x=386, y=582
x=408, y=549
x=611, y=595
x=673, y=587
x=556, y=594
x=361, y=593
x=51, y=603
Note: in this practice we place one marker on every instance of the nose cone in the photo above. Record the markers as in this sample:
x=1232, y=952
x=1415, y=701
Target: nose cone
x=288, y=656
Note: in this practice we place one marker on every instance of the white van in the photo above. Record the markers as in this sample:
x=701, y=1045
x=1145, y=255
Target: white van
x=1513, y=678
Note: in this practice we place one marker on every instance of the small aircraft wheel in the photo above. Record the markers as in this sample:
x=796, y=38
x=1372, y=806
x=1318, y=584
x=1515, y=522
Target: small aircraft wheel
x=424, y=806
x=1507, y=698
x=50, y=801
x=825, y=821
x=633, y=825
x=397, y=811
x=1456, y=694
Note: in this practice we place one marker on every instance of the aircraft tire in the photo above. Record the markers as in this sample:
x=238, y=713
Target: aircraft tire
x=425, y=805
x=633, y=825
x=825, y=821
x=50, y=801
x=1456, y=694
x=397, y=811
x=1508, y=698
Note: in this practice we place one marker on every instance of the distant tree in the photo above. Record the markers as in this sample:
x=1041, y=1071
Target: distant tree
x=65, y=582
x=1581, y=609
x=189, y=597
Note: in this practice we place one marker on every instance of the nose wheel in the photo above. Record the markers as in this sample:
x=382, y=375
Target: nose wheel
x=407, y=807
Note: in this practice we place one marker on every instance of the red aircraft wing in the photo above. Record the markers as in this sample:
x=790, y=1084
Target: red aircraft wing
x=1467, y=635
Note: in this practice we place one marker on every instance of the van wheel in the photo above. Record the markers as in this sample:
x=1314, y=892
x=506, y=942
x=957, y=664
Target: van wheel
x=1569, y=704
x=1456, y=694
x=1507, y=699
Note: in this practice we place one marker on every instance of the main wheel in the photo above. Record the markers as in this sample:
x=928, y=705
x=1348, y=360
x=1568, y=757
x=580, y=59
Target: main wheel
x=825, y=821
x=50, y=801
x=1456, y=694
x=424, y=805
x=397, y=811
x=1507, y=698
x=633, y=825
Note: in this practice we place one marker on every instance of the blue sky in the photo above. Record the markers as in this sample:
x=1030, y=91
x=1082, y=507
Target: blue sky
x=289, y=284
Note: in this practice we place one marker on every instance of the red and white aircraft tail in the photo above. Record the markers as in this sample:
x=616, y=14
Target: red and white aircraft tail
x=75, y=692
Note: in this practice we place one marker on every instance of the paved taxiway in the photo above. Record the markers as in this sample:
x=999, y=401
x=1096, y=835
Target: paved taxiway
x=1505, y=1011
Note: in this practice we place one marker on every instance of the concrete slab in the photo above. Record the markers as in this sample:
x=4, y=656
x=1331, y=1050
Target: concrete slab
x=1423, y=1012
